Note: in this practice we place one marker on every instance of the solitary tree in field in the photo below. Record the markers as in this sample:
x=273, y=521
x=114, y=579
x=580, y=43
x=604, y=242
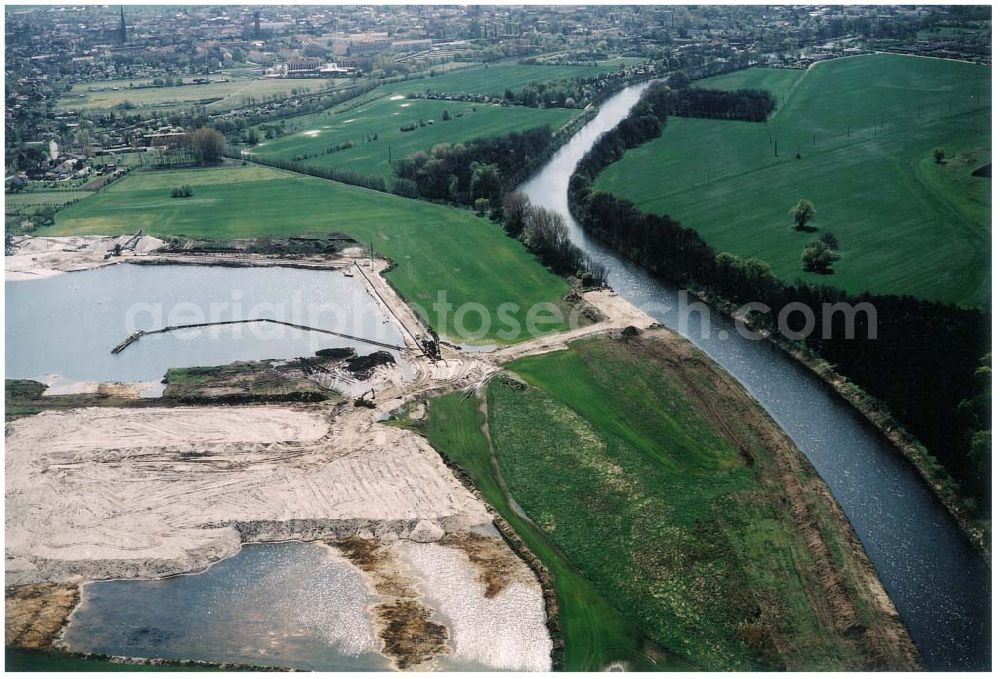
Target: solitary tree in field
x=938, y=156
x=817, y=257
x=802, y=212
x=206, y=145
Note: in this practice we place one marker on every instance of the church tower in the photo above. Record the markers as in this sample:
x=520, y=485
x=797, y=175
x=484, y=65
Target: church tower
x=121, y=26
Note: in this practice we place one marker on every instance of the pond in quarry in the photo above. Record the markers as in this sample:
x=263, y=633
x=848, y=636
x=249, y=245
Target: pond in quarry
x=301, y=605
x=289, y=604
x=62, y=328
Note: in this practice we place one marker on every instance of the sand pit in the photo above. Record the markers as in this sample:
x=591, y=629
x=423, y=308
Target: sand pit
x=396, y=97
x=56, y=434
x=37, y=257
x=311, y=133
x=105, y=493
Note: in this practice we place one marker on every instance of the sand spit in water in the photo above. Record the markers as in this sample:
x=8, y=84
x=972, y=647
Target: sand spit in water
x=410, y=638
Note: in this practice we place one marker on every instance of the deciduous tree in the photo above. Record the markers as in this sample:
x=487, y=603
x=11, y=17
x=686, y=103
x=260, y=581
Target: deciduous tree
x=802, y=212
x=206, y=145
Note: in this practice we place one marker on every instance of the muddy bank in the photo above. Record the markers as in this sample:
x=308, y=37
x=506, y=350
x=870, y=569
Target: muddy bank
x=32, y=257
x=242, y=383
x=497, y=568
x=35, y=614
x=409, y=637
x=330, y=244
x=302, y=380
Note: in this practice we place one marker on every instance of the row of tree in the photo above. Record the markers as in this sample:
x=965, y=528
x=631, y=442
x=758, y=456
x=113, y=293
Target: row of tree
x=545, y=234
x=465, y=172
x=693, y=102
x=925, y=365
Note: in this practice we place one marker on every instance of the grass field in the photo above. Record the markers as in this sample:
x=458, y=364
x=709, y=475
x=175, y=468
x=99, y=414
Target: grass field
x=493, y=79
x=231, y=94
x=624, y=459
x=309, y=137
x=436, y=248
x=905, y=224
x=16, y=201
x=595, y=634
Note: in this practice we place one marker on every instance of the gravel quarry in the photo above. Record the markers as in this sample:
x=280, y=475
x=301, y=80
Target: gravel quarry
x=101, y=496
x=106, y=494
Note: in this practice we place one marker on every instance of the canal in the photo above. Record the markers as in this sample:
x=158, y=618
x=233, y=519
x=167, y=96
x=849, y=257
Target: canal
x=937, y=580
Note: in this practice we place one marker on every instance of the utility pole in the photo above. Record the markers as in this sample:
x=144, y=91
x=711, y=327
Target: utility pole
x=390, y=154
x=775, y=148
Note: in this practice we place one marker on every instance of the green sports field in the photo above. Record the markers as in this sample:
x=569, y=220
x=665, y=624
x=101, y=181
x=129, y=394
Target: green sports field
x=866, y=129
x=374, y=130
x=436, y=248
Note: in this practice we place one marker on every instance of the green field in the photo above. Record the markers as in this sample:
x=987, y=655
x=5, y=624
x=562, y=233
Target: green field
x=231, y=94
x=595, y=634
x=623, y=458
x=24, y=199
x=436, y=248
x=905, y=224
x=494, y=79
x=313, y=138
